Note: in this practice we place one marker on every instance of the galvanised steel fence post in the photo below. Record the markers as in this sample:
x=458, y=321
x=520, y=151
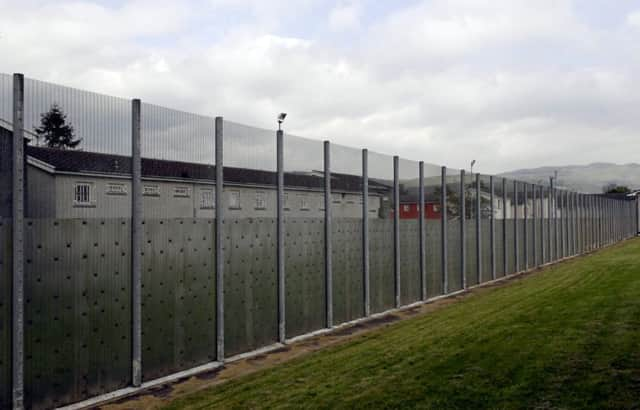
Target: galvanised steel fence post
x=563, y=224
x=443, y=230
x=534, y=219
x=282, y=334
x=492, y=223
x=637, y=212
x=515, y=228
x=365, y=233
x=478, y=231
x=553, y=226
x=463, y=230
x=549, y=225
x=136, y=245
x=504, y=227
x=396, y=227
x=525, y=229
x=421, y=227
x=17, y=237
x=542, y=236
x=219, y=203
x=328, y=245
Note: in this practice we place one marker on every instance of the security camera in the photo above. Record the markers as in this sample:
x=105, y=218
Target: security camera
x=281, y=117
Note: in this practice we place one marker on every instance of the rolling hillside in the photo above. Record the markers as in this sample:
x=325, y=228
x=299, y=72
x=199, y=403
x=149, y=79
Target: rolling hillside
x=584, y=178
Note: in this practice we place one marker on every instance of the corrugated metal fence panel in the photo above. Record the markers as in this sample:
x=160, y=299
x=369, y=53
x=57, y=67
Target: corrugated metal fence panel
x=250, y=284
x=5, y=313
x=178, y=295
x=433, y=256
x=78, y=309
x=348, y=290
x=304, y=268
x=381, y=264
x=409, y=261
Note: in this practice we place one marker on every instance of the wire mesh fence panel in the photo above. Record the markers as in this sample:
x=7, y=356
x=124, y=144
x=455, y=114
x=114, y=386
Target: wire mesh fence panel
x=410, y=275
x=433, y=229
x=488, y=213
x=6, y=198
x=304, y=235
x=471, y=262
x=454, y=238
x=250, y=231
x=381, y=233
x=347, y=231
x=77, y=244
x=178, y=246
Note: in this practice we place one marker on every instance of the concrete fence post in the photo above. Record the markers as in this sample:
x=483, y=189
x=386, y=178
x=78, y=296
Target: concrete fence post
x=282, y=316
x=443, y=231
x=328, y=244
x=219, y=203
x=17, y=238
x=463, y=230
x=136, y=244
x=365, y=233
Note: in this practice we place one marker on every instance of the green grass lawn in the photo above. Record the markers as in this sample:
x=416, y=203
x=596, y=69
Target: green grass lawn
x=565, y=337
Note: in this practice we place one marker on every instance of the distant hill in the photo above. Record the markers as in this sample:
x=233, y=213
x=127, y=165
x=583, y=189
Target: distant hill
x=583, y=178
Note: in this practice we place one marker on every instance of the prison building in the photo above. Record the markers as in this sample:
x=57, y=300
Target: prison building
x=81, y=184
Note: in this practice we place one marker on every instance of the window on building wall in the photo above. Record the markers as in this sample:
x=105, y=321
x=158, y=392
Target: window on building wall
x=234, y=199
x=286, y=202
x=207, y=199
x=83, y=193
x=261, y=200
x=115, y=188
x=181, y=192
x=304, y=202
x=151, y=190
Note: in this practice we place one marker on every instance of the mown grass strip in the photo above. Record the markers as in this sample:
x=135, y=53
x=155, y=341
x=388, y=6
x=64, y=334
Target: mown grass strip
x=565, y=337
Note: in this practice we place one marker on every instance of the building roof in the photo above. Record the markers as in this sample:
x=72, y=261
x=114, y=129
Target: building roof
x=85, y=162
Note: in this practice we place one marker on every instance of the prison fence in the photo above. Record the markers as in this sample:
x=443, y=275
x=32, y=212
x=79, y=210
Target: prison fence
x=123, y=263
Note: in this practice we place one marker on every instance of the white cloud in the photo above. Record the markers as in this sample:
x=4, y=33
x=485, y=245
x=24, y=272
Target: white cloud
x=633, y=19
x=509, y=83
x=345, y=17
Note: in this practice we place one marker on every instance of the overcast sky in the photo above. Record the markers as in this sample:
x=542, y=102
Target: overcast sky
x=509, y=83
